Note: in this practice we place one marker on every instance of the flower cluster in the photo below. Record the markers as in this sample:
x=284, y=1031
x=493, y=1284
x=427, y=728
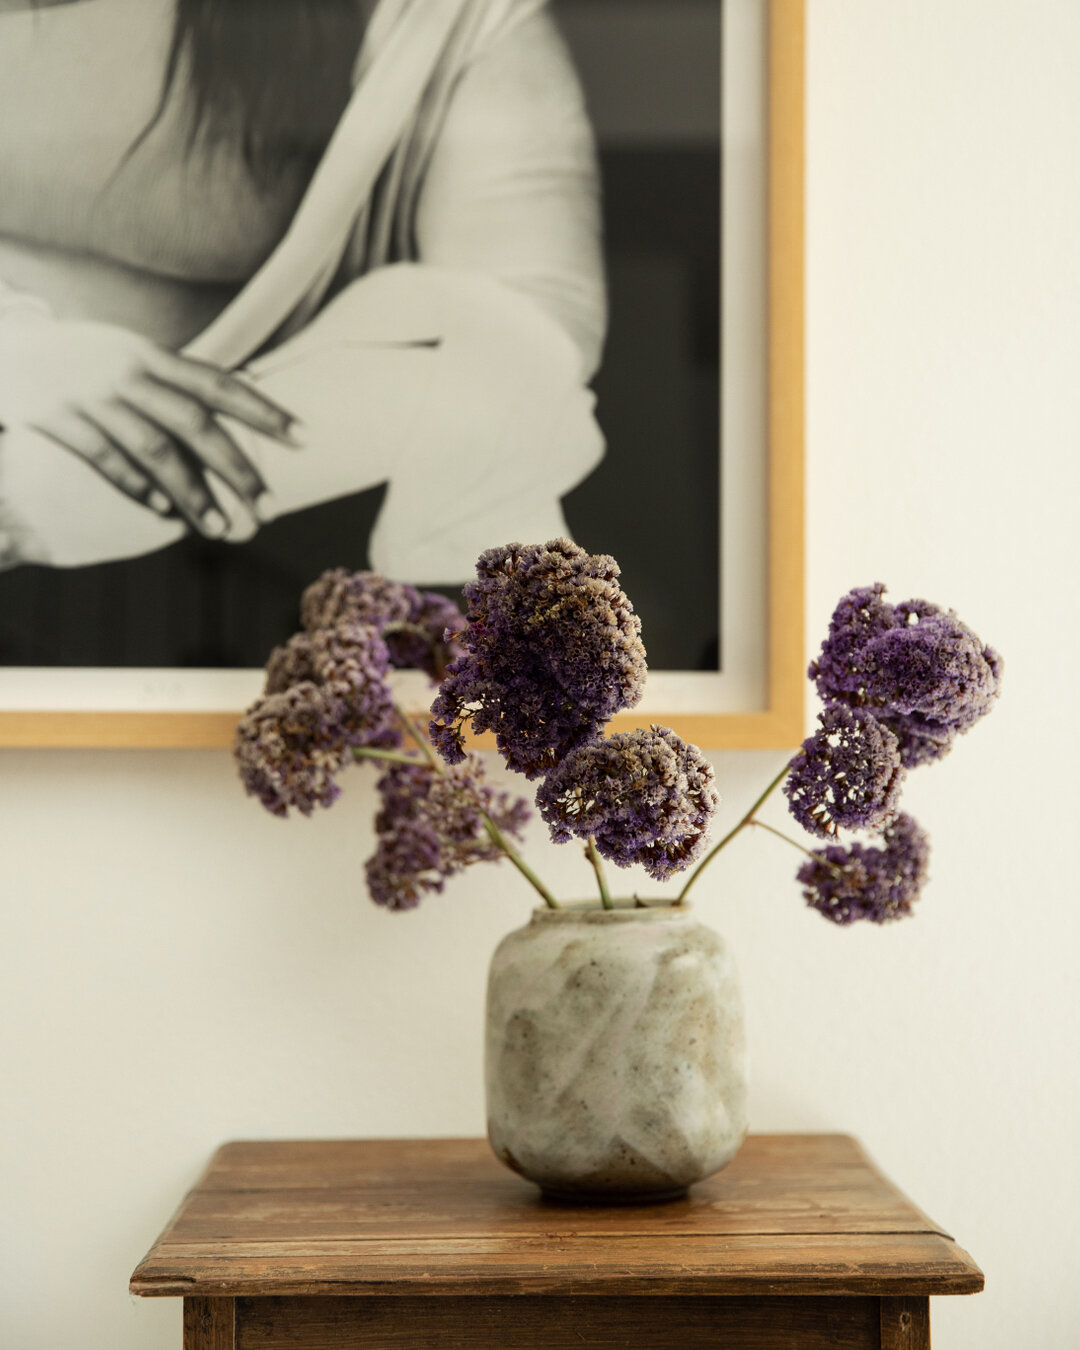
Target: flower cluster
x=847, y=775
x=868, y=882
x=900, y=682
x=326, y=690
x=552, y=650
x=289, y=749
x=922, y=672
x=431, y=825
x=645, y=797
x=417, y=626
x=549, y=651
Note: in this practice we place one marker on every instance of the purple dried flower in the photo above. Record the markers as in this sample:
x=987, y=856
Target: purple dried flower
x=351, y=660
x=430, y=827
x=861, y=616
x=290, y=664
x=404, y=868
x=363, y=597
x=425, y=641
x=847, y=774
x=289, y=748
x=860, y=882
x=414, y=623
x=646, y=797
x=552, y=650
x=925, y=674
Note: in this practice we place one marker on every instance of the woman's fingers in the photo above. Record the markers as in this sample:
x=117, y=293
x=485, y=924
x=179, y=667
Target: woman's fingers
x=192, y=423
x=73, y=432
x=167, y=462
x=222, y=392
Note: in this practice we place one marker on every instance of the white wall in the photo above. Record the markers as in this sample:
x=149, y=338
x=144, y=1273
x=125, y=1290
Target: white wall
x=179, y=969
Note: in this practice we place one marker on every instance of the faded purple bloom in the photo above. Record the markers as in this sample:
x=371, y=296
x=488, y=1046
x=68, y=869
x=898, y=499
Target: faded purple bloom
x=646, y=796
x=861, y=616
x=363, y=597
x=351, y=660
x=934, y=666
x=414, y=623
x=861, y=882
x=289, y=748
x=290, y=664
x=425, y=640
x=552, y=650
x=846, y=775
x=923, y=672
x=430, y=827
x=405, y=866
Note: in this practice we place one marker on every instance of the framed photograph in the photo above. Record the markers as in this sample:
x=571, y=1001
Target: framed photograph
x=506, y=270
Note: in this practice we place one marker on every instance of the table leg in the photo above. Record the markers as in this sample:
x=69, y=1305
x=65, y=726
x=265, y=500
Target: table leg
x=905, y=1324
x=209, y=1324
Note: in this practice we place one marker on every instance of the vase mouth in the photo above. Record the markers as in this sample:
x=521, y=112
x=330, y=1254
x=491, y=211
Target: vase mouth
x=590, y=911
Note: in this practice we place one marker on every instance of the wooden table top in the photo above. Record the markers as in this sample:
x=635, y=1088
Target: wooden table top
x=793, y=1214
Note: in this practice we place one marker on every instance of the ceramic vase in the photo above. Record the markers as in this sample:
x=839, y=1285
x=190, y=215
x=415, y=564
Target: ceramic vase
x=615, y=1053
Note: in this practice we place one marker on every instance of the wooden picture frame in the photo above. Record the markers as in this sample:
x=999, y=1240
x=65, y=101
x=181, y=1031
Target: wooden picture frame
x=778, y=722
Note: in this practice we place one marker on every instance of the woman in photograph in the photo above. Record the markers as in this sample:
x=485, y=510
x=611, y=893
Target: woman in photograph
x=261, y=254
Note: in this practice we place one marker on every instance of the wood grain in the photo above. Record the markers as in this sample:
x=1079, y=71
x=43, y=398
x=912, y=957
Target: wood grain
x=556, y=1324
x=905, y=1324
x=209, y=1324
x=794, y=1214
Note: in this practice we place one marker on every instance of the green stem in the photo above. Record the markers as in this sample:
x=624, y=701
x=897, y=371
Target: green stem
x=493, y=832
x=810, y=853
x=500, y=841
x=681, y=899
x=760, y=824
x=391, y=756
x=419, y=737
x=598, y=868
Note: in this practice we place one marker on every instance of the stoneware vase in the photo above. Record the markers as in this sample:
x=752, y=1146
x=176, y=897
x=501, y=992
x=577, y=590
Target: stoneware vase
x=616, y=1053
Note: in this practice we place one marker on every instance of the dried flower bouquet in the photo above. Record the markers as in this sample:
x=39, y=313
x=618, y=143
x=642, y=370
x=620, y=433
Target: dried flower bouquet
x=549, y=651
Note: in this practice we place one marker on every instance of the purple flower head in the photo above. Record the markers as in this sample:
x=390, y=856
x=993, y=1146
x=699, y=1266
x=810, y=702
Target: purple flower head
x=646, y=797
x=861, y=882
x=289, y=748
x=430, y=827
x=290, y=664
x=405, y=866
x=414, y=623
x=925, y=674
x=552, y=650
x=426, y=640
x=363, y=597
x=847, y=774
x=350, y=660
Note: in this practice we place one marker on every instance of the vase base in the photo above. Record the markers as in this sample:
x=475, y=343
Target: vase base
x=596, y=1198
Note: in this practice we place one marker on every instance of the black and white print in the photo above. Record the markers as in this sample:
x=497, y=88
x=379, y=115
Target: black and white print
x=294, y=284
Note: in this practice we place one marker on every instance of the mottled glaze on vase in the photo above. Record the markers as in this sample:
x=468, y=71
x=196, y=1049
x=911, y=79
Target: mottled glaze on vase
x=616, y=1053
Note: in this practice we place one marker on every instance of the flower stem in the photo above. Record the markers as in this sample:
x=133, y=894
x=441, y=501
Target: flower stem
x=391, y=756
x=500, y=841
x=419, y=737
x=598, y=868
x=810, y=853
x=785, y=837
x=681, y=898
x=493, y=832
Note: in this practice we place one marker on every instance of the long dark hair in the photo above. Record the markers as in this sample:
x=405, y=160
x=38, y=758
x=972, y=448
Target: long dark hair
x=270, y=76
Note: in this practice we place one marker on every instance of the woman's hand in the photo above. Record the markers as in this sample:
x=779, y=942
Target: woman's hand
x=143, y=417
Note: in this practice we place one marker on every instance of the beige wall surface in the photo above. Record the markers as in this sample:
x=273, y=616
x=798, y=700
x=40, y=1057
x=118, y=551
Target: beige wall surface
x=179, y=969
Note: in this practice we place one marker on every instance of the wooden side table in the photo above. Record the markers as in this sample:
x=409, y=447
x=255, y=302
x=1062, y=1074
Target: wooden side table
x=331, y=1245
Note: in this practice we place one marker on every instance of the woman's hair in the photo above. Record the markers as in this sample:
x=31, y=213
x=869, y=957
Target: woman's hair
x=271, y=76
